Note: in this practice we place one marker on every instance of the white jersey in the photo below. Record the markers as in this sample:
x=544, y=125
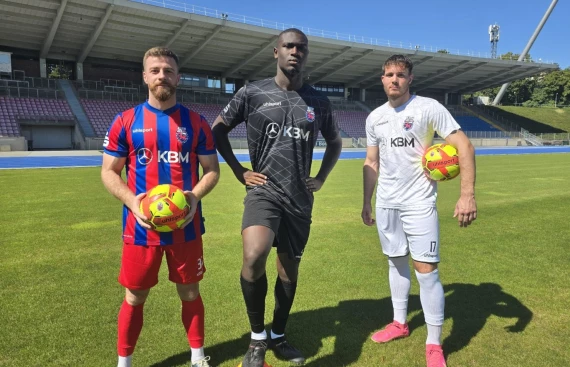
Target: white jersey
x=403, y=134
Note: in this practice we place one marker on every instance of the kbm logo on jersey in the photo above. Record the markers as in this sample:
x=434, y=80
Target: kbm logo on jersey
x=173, y=157
x=145, y=156
x=402, y=142
x=273, y=130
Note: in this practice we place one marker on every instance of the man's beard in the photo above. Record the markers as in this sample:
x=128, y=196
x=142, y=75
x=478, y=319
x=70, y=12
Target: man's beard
x=163, y=94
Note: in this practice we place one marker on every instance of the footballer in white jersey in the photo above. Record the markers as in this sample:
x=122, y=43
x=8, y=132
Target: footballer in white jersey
x=403, y=134
x=398, y=133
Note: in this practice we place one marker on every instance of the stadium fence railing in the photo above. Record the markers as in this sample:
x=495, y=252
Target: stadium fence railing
x=25, y=92
x=311, y=31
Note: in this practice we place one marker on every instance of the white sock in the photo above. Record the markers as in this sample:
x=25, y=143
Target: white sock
x=434, y=334
x=197, y=354
x=433, y=304
x=275, y=336
x=399, y=276
x=259, y=336
x=125, y=361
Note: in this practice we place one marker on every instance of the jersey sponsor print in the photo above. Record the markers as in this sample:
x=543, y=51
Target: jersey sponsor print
x=282, y=130
x=403, y=134
x=160, y=147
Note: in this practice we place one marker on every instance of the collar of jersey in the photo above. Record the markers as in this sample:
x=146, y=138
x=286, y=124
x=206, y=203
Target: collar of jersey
x=165, y=112
x=402, y=107
x=285, y=90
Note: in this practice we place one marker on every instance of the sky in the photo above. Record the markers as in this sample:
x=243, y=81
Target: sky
x=458, y=26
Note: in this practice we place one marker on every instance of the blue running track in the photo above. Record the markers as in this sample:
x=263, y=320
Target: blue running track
x=95, y=161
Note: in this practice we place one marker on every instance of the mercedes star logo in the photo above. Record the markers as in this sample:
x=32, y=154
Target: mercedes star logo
x=144, y=156
x=273, y=130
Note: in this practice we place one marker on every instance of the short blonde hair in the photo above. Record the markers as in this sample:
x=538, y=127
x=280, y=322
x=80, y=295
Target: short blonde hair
x=160, y=52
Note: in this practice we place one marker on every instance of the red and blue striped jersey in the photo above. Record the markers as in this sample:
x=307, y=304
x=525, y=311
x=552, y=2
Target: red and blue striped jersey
x=160, y=147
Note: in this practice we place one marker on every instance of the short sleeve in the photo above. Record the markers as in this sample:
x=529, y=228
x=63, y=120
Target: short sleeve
x=234, y=113
x=442, y=121
x=371, y=138
x=115, y=142
x=206, y=145
x=329, y=127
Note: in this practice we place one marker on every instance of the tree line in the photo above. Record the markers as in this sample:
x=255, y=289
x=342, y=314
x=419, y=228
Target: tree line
x=545, y=89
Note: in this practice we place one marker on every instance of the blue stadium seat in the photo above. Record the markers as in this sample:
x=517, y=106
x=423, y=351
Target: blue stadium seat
x=472, y=123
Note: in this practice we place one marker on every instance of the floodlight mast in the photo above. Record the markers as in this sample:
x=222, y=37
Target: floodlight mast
x=494, y=38
x=527, y=48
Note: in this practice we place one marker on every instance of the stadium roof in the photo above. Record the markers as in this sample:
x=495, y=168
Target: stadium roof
x=218, y=44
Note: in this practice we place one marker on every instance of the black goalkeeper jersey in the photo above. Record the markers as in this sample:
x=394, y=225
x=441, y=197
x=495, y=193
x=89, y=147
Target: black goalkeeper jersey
x=282, y=130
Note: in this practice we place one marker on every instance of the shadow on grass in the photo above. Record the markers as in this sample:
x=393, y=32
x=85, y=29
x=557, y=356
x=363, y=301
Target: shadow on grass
x=469, y=306
x=352, y=322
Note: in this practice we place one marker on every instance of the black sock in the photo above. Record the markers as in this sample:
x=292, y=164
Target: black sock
x=254, y=295
x=284, y=296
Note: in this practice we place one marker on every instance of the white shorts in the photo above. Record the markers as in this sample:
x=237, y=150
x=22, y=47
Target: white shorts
x=414, y=231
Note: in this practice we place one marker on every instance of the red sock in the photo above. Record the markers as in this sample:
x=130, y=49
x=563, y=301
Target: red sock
x=193, y=320
x=130, y=325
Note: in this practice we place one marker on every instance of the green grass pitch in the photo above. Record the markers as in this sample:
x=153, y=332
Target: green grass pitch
x=505, y=277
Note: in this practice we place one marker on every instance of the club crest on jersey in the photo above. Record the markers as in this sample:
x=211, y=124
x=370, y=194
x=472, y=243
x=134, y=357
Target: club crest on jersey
x=408, y=123
x=310, y=114
x=182, y=135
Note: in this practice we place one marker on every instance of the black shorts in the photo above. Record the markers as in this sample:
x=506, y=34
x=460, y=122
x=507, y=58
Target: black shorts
x=291, y=231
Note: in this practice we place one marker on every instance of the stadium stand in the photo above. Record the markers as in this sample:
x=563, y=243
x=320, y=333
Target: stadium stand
x=473, y=123
x=517, y=121
x=31, y=87
x=103, y=99
x=351, y=122
x=109, y=89
x=104, y=76
x=119, y=90
x=373, y=104
x=102, y=113
x=211, y=112
x=344, y=104
x=13, y=109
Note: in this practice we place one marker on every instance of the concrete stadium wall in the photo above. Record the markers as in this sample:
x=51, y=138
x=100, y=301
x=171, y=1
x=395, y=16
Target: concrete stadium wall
x=78, y=139
x=242, y=143
x=21, y=144
x=347, y=142
x=94, y=143
x=13, y=144
x=497, y=142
